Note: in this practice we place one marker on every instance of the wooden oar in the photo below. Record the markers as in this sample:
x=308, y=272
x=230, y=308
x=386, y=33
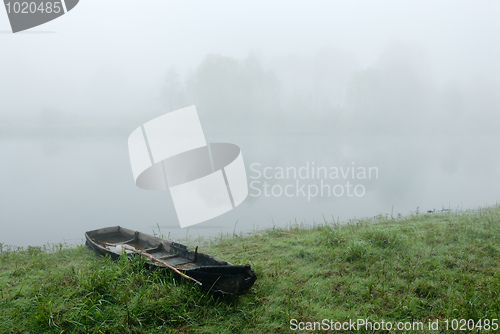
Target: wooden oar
x=151, y=257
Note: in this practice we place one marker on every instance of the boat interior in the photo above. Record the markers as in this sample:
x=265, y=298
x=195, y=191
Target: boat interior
x=120, y=241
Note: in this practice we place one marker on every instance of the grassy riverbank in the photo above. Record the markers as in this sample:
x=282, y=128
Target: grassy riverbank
x=414, y=268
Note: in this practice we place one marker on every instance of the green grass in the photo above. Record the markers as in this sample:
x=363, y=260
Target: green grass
x=415, y=268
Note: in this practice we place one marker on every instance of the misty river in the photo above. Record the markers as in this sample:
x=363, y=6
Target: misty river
x=56, y=187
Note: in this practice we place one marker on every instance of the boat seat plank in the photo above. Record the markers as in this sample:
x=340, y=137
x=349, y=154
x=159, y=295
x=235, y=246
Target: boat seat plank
x=164, y=256
x=175, y=261
x=152, y=250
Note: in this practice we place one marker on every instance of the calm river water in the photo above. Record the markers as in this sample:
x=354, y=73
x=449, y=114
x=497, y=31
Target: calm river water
x=53, y=188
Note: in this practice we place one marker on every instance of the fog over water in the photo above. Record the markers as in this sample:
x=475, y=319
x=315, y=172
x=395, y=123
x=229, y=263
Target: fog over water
x=410, y=89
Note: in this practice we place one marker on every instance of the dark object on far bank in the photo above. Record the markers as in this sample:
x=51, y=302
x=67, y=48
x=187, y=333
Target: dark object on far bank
x=209, y=272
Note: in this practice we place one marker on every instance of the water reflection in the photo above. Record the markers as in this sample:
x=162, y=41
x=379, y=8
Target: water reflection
x=54, y=188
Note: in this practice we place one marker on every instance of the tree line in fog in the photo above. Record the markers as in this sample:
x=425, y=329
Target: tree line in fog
x=331, y=91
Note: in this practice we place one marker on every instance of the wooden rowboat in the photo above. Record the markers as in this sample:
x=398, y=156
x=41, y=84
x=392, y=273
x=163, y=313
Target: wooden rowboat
x=209, y=272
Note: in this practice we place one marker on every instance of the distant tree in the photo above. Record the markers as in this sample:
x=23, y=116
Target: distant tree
x=213, y=85
x=173, y=90
x=395, y=96
x=365, y=90
x=314, y=88
x=365, y=100
x=235, y=91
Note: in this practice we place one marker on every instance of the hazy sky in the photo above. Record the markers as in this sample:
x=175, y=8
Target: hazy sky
x=434, y=65
x=105, y=58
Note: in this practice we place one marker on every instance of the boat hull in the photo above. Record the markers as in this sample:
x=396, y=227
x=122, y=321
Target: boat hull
x=210, y=272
